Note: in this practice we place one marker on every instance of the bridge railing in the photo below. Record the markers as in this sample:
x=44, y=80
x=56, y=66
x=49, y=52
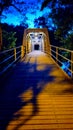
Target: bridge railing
x=9, y=57
x=64, y=58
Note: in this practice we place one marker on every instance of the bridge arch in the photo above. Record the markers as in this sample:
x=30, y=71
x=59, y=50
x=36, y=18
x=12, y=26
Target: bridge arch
x=36, y=39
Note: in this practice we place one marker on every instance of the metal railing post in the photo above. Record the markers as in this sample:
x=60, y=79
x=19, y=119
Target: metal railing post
x=15, y=54
x=72, y=64
x=50, y=50
x=22, y=51
x=56, y=54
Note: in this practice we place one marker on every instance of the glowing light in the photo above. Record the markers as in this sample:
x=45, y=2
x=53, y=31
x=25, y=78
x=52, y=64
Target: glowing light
x=35, y=53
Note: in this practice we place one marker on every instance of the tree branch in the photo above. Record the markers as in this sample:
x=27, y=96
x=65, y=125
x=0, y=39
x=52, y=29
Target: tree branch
x=44, y=4
x=15, y=7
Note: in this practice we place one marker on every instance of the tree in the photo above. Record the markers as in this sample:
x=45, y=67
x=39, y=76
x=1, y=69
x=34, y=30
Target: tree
x=40, y=22
x=4, y=6
x=62, y=16
x=18, y=30
x=9, y=40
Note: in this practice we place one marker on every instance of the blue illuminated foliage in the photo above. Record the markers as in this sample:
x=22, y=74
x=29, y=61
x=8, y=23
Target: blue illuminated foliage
x=23, y=12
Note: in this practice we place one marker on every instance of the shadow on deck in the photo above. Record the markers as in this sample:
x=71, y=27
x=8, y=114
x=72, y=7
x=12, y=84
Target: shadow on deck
x=27, y=97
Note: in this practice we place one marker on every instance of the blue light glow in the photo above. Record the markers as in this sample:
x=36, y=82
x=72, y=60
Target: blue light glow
x=31, y=12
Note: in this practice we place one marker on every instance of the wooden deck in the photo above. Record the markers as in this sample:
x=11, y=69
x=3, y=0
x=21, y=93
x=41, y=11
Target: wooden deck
x=36, y=96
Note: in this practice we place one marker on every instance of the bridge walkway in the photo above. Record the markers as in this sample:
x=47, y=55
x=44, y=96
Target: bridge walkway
x=36, y=96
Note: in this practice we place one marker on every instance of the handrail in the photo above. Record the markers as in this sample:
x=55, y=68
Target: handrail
x=9, y=57
x=9, y=50
x=62, y=48
x=63, y=57
x=58, y=57
x=6, y=59
x=61, y=63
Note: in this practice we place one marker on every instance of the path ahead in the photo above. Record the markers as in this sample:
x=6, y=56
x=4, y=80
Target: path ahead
x=36, y=96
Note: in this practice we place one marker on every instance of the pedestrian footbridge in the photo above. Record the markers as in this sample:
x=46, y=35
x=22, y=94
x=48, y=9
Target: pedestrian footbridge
x=36, y=87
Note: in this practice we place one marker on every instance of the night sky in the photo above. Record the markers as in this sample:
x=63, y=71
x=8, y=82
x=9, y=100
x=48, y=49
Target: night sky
x=31, y=11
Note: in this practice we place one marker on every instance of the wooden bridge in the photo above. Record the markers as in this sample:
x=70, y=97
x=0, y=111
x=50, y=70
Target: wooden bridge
x=35, y=93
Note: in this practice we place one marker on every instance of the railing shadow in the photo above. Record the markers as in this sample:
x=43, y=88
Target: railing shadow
x=69, y=89
x=64, y=85
x=25, y=77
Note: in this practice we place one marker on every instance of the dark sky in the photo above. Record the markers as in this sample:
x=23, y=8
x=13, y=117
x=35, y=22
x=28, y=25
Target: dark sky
x=31, y=12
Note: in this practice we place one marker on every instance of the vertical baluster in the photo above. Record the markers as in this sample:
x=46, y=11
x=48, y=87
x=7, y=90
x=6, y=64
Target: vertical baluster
x=72, y=64
x=15, y=54
x=50, y=50
x=22, y=51
x=57, y=54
